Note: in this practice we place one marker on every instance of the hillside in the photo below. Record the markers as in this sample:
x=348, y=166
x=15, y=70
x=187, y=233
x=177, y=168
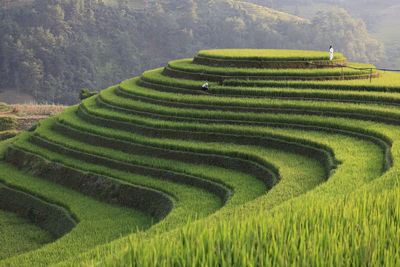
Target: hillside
x=287, y=159
x=380, y=18
x=51, y=50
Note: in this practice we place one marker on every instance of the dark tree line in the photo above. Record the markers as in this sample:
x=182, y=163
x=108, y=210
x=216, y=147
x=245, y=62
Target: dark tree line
x=51, y=49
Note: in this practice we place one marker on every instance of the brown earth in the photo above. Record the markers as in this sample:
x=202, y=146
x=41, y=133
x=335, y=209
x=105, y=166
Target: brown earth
x=29, y=114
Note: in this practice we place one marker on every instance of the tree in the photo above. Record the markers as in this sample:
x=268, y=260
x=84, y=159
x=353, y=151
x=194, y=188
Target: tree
x=348, y=35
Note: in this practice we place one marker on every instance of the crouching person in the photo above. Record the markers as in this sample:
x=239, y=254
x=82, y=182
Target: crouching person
x=204, y=87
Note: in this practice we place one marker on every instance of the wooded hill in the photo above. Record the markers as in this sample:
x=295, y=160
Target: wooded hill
x=380, y=18
x=52, y=49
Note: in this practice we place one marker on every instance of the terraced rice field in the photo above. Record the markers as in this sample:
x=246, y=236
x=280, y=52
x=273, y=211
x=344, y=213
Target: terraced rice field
x=7, y=123
x=18, y=235
x=274, y=170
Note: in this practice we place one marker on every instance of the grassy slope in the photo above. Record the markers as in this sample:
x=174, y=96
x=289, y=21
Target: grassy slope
x=344, y=173
x=283, y=160
x=349, y=218
x=315, y=205
x=189, y=66
x=388, y=81
x=267, y=54
x=224, y=93
x=345, y=231
x=307, y=222
x=349, y=151
x=17, y=235
x=92, y=214
x=261, y=11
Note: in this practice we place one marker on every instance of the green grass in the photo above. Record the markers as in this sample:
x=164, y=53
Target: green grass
x=181, y=145
x=268, y=54
x=155, y=76
x=7, y=123
x=260, y=113
x=336, y=124
x=316, y=208
x=187, y=65
x=18, y=235
x=140, y=125
x=249, y=189
x=131, y=87
x=368, y=168
x=387, y=82
x=288, y=187
x=7, y=134
x=231, y=137
x=109, y=222
x=241, y=118
x=311, y=94
x=357, y=156
x=346, y=232
x=4, y=145
x=210, y=116
x=297, y=174
x=295, y=169
x=102, y=219
x=205, y=202
x=330, y=125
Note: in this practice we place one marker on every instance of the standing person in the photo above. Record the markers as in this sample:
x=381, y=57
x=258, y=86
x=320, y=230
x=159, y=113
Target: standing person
x=331, y=53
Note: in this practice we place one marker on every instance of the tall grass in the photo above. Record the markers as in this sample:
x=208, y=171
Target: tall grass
x=357, y=158
x=263, y=107
x=387, y=82
x=19, y=235
x=358, y=230
x=187, y=65
x=352, y=218
x=224, y=94
x=109, y=222
x=267, y=54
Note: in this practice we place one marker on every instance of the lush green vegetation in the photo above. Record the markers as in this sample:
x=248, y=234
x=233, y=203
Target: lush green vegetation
x=267, y=54
x=307, y=90
x=8, y=124
x=235, y=175
x=50, y=50
x=292, y=241
x=188, y=66
x=387, y=82
x=92, y=215
x=256, y=110
x=18, y=235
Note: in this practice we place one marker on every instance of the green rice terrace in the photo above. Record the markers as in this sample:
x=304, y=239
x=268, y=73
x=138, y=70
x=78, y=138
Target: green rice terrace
x=287, y=159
